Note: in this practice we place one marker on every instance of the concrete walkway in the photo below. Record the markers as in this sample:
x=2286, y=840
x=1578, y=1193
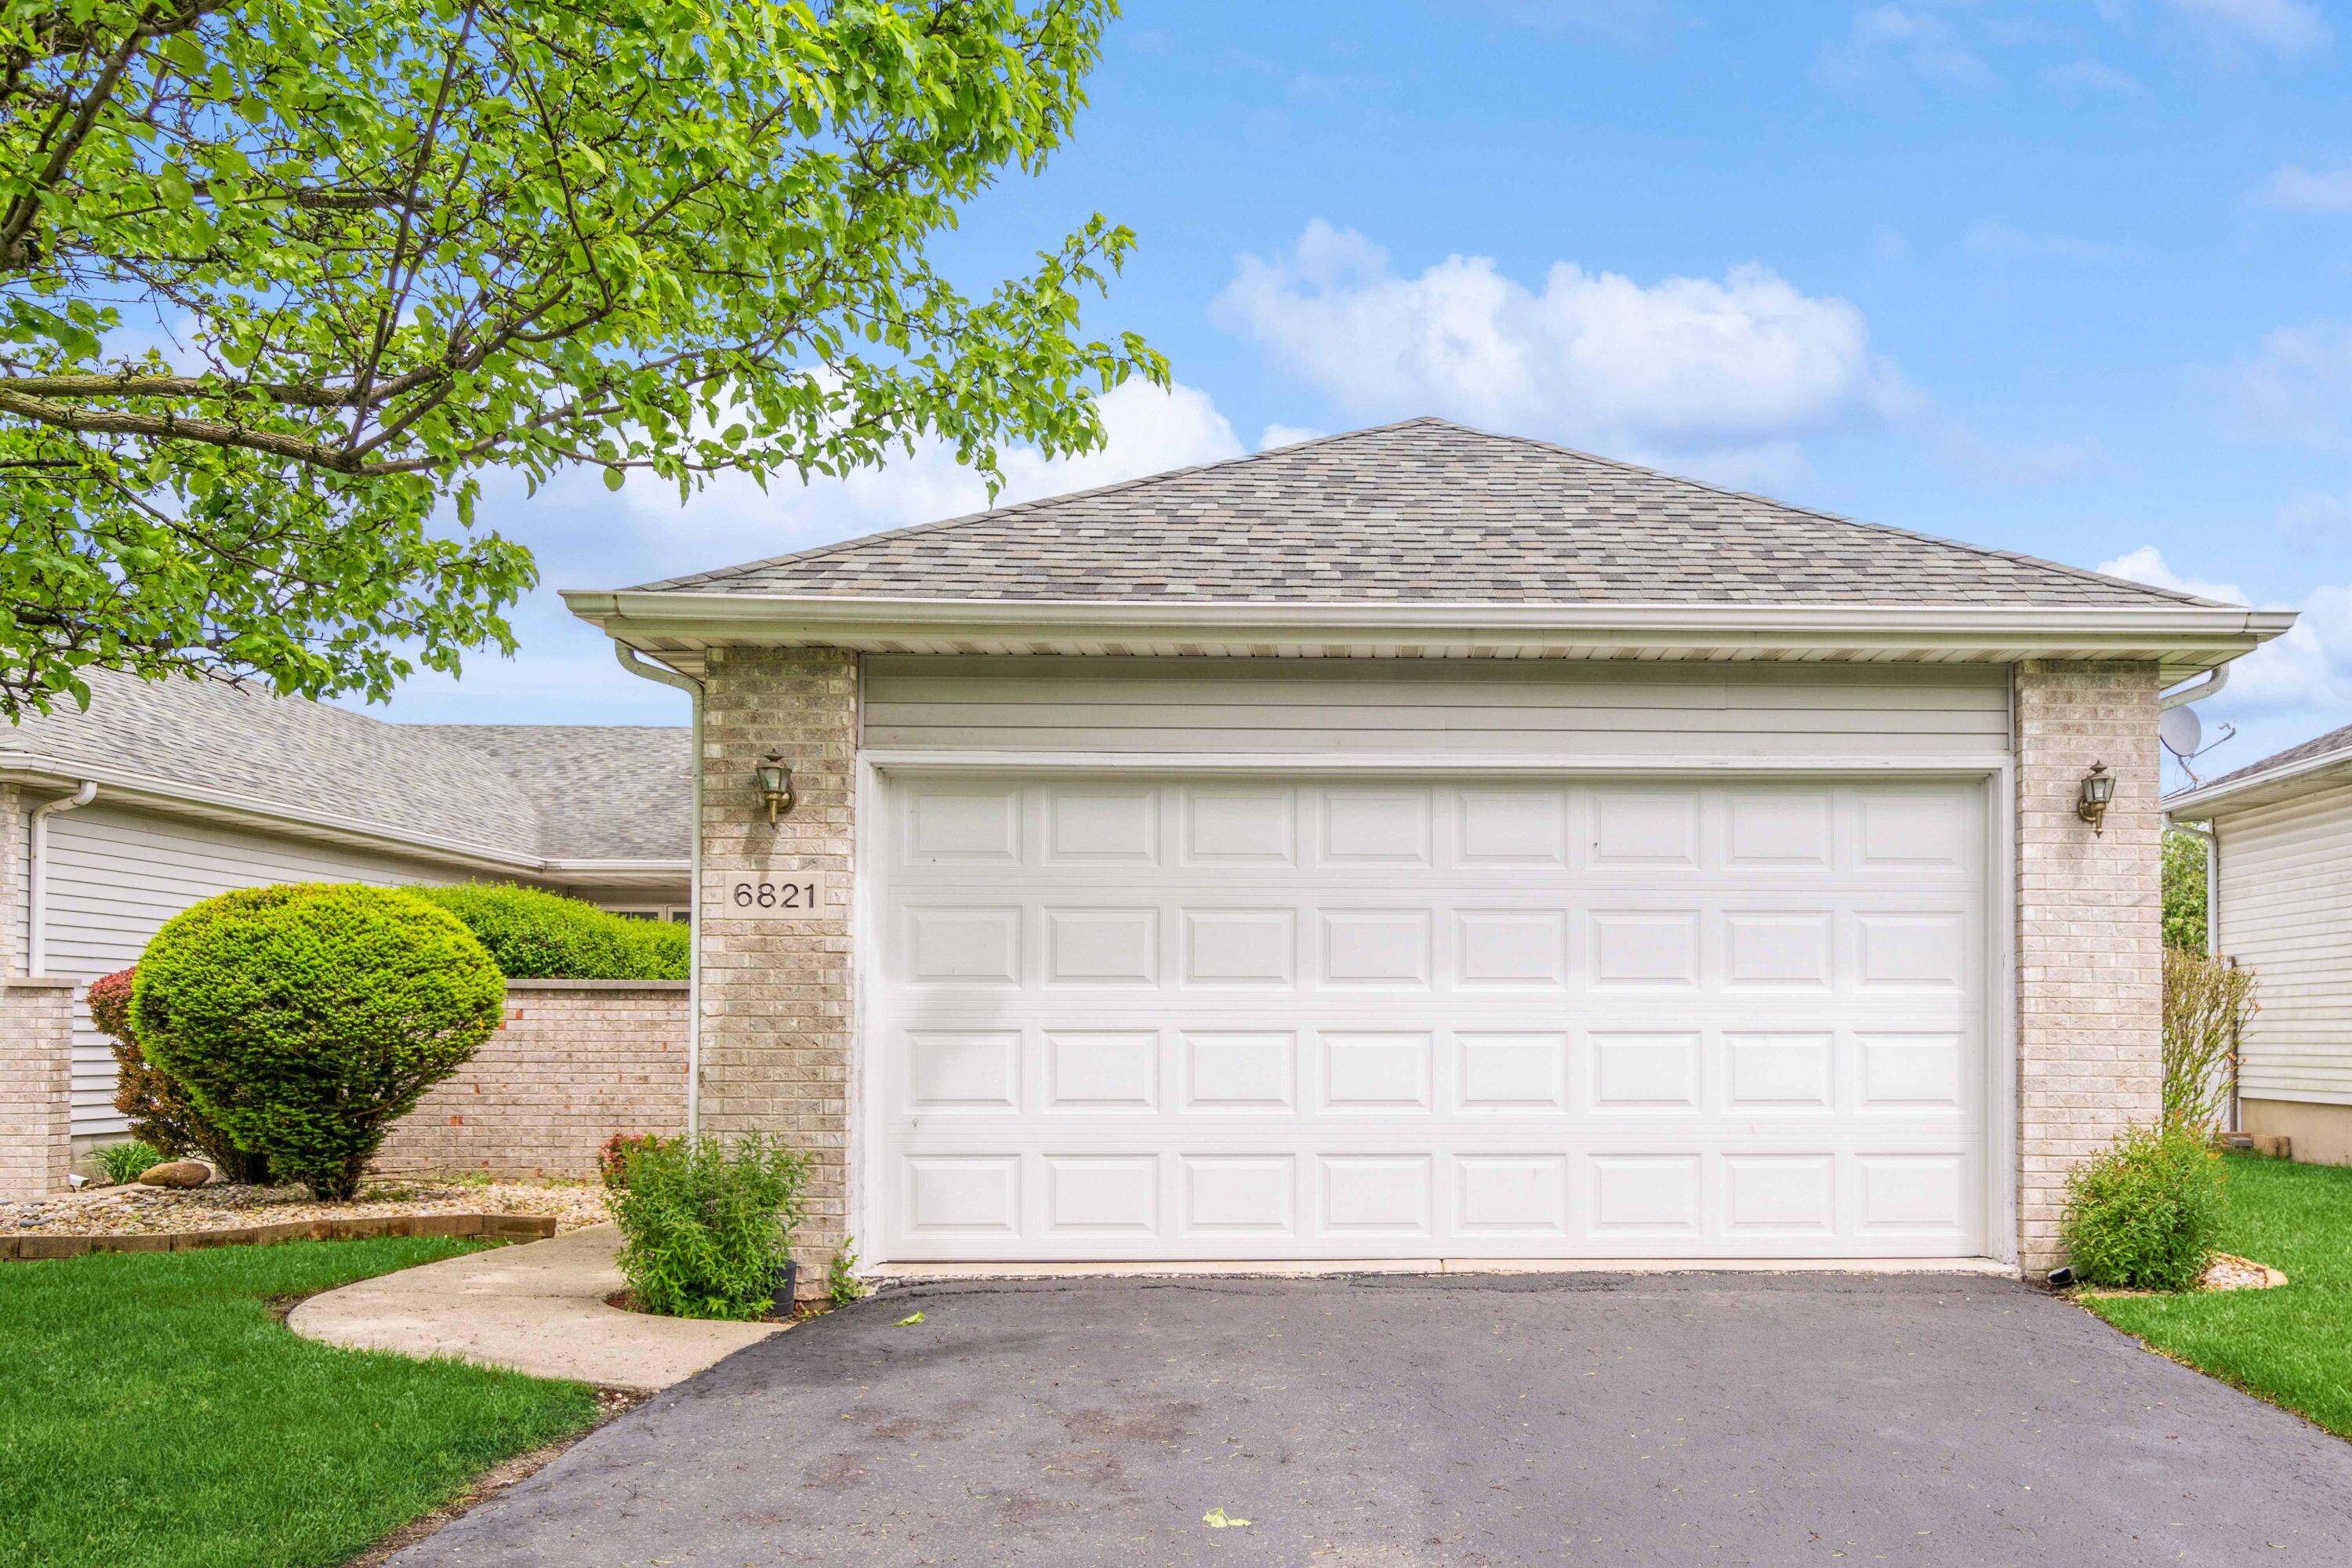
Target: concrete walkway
x=538, y=1308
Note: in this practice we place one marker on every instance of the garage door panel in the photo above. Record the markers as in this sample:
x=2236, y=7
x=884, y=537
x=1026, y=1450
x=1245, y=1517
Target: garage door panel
x=1259, y=1019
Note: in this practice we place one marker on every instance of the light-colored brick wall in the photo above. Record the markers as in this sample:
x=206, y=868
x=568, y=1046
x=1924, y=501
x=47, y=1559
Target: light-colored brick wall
x=16, y=849
x=776, y=985
x=36, y=1054
x=2089, y=962
x=573, y=1062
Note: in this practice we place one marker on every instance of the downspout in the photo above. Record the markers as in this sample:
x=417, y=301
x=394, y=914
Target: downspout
x=637, y=666
x=2215, y=678
x=37, y=901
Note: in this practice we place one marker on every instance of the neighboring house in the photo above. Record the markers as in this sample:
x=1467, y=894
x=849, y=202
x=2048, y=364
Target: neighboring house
x=1420, y=843
x=2282, y=905
x=198, y=788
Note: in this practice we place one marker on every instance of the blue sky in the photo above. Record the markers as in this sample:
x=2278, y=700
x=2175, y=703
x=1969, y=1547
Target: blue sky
x=2066, y=277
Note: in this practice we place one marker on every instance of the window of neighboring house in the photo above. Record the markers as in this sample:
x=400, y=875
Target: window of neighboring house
x=675, y=913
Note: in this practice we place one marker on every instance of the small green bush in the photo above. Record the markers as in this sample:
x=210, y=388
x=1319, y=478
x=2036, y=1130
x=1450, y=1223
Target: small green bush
x=160, y=1111
x=706, y=1225
x=124, y=1161
x=2143, y=1213
x=536, y=935
x=303, y=1018
x=841, y=1281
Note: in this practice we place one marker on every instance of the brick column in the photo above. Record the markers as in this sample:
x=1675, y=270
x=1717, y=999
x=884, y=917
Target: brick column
x=775, y=984
x=15, y=848
x=2089, y=960
x=35, y=1086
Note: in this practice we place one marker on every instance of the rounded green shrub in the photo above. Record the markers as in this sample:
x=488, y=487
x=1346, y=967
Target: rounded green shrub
x=536, y=935
x=304, y=1018
x=706, y=1225
x=2144, y=1213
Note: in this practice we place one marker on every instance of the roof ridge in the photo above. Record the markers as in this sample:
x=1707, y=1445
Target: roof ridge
x=819, y=551
x=1887, y=528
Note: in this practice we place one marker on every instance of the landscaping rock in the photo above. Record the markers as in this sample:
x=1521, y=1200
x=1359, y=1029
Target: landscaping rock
x=176, y=1173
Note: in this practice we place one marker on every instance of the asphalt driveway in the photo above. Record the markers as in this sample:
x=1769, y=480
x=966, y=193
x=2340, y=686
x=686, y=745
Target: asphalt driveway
x=1390, y=1420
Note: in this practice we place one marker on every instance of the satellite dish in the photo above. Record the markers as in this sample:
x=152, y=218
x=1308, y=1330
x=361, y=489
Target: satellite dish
x=2180, y=731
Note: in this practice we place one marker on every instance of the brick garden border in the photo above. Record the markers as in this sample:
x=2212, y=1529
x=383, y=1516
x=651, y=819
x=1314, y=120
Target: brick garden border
x=472, y=1226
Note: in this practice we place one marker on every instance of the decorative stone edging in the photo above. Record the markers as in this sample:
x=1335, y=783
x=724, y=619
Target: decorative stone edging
x=471, y=1227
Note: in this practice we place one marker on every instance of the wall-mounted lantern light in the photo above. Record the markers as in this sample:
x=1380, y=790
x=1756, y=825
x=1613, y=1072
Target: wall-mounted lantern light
x=2098, y=788
x=775, y=786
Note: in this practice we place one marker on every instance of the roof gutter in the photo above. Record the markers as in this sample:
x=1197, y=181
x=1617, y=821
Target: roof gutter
x=2220, y=630
x=37, y=901
x=2200, y=802
x=634, y=665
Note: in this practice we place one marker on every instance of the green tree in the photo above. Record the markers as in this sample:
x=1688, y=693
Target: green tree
x=280, y=279
x=2184, y=890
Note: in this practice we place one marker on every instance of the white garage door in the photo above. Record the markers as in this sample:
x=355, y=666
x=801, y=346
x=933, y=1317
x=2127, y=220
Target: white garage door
x=1218, y=1018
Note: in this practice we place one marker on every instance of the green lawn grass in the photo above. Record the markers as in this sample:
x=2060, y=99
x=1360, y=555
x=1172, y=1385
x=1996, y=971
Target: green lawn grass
x=2291, y=1345
x=153, y=1411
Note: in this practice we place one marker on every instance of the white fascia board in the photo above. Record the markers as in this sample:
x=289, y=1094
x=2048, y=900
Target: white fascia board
x=2121, y=630
x=2265, y=788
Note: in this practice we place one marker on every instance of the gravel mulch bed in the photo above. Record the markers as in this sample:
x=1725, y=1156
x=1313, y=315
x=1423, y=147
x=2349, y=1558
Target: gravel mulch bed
x=134, y=1210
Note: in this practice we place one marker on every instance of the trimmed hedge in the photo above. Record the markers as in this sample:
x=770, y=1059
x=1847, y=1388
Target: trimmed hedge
x=535, y=935
x=303, y=1018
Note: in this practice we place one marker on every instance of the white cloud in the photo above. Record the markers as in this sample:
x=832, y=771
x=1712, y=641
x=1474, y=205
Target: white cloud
x=2308, y=189
x=1274, y=435
x=2283, y=26
x=1881, y=37
x=2297, y=388
x=2313, y=520
x=2309, y=668
x=1684, y=366
x=1999, y=240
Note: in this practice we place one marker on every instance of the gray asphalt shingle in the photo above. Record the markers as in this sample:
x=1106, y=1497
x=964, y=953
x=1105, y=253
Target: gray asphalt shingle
x=1424, y=510
x=553, y=792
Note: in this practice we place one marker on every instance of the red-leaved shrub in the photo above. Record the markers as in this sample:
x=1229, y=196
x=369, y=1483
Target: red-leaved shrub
x=162, y=1115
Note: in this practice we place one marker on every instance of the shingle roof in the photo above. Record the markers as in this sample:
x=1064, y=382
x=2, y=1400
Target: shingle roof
x=603, y=792
x=2317, y=746
x=1422, y=510
x=543, y=792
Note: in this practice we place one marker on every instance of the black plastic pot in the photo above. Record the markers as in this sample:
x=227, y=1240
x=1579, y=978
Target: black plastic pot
x=788, y=1278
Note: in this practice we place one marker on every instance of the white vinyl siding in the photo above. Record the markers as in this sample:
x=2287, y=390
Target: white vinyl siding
x=116, y=876
x=2286, y=912
x=1607, y=709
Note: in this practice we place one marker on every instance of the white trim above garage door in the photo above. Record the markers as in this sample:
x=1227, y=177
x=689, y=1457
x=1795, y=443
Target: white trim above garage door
x=1145, y=1014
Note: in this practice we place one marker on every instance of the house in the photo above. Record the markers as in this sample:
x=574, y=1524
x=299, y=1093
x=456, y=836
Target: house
x=1421, y=843
x=2280, y=901
x=161, y=793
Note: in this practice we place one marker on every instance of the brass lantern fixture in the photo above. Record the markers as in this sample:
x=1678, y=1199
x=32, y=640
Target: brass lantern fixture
x=2090, y=803
x=775, y=778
